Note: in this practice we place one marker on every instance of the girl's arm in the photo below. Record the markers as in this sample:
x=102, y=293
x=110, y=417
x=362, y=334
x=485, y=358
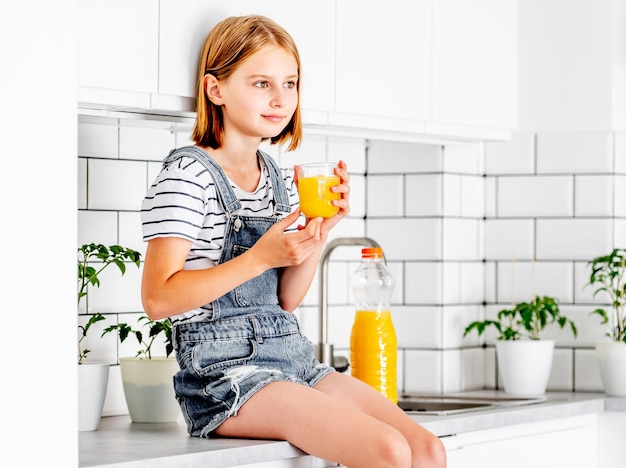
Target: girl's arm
x=168, y=289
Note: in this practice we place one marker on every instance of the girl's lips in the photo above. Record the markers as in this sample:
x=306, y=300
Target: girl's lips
x=274, y=118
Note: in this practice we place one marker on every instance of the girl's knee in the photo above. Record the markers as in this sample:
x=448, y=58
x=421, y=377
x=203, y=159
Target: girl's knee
x=392, y=449
x=429, y=452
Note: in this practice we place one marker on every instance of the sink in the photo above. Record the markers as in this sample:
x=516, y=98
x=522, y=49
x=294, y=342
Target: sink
x=455, y=404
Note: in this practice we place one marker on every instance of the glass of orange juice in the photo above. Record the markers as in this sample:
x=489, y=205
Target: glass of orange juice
x=314, y=183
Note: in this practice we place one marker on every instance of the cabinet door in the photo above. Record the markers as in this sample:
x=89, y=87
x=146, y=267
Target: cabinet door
x=311, y=24
x=569, y=443
x=383, y=58
x=475, y=63
x=118, y=44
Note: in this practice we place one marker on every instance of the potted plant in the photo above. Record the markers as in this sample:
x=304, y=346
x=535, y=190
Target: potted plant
x=608, y=276
x=147, y=379
x=524, y=359
x=93, y=377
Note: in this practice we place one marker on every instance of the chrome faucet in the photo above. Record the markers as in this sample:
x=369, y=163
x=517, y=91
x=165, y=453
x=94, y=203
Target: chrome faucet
x=325, y=349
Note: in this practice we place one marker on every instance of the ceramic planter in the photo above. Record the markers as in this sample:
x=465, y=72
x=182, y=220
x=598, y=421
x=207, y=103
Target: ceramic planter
x=612, y=363
x=149, y=389
x=524, y=365
x=92, y=387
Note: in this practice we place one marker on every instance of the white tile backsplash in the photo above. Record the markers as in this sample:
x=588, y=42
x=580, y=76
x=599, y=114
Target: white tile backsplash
x=620, y=152
x=521, y=281
x=350, y=150
x=575, y=152
x=473, y=196
x=562, y=372
x=449, y=232
x=455, y=319
x=82, y=184
x=407, y=238
x=462, y=239
x=385, y=196
x=117, y=293
x=472, y=282
x=452, y=195
x=357, y=196
x=514, y=157
x=473, y=368
x=312, y=149
x=508, y=239
x=424, y=195
x=463, y=158
x=595, y=195
x=147, y=140
x=535, y=196
x=418, y=326
x=99, y=227
x=424, y=283
x=619, y=195
x=130, y=231
x=452, y=282
x=451, y=371
x=576, y=238
x=391, y=157
x=423, y=370
x=98, y=137
x=586, y=372
x=116, y=185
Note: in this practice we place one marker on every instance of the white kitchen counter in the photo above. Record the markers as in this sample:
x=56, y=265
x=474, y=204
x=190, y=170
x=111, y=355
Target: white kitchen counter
x=119, y=443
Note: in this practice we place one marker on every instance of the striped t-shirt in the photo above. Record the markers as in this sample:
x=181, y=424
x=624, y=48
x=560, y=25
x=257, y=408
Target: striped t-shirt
x=183, y=202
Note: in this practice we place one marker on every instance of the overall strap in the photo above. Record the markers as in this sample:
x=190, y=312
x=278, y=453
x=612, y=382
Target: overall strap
x=281, y=195
x=227, y=197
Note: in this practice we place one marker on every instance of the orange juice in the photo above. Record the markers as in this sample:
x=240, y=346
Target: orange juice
x=373, y=351
x=316, y=197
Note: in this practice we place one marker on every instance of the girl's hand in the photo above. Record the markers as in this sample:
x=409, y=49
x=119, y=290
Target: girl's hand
x=343, y=203
x=277, y=249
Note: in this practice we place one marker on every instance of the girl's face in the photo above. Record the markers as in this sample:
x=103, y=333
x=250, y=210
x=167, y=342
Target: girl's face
x=260, y=97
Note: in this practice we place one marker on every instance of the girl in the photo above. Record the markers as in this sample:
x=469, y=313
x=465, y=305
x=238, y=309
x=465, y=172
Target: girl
x=225, y=265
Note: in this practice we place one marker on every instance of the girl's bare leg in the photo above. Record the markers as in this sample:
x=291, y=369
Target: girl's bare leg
x=342, y=420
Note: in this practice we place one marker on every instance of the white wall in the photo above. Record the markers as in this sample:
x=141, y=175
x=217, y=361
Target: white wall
x=38, y=235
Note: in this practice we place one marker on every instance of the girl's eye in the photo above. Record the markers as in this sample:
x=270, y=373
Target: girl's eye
x=290, y=84
x=261, y=84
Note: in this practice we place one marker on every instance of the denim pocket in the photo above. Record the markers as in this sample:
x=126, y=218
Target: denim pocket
x=258, y=291
x=214, y=357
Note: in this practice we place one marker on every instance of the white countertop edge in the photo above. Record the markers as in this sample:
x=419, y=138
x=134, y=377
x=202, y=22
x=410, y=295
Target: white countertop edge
x=118, y=443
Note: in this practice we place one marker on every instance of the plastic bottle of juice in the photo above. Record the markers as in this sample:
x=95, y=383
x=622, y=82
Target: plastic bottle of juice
x=373, y=342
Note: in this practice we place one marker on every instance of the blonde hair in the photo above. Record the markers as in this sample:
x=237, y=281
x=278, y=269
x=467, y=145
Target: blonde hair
x=230, y=43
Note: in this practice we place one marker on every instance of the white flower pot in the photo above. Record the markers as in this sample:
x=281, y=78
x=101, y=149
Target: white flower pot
x=524, y=365
x=612, y=363
x=149, y=389
x=92, y=387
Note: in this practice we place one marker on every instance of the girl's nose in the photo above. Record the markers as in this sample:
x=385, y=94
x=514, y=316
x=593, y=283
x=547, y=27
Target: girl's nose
x=277, y=98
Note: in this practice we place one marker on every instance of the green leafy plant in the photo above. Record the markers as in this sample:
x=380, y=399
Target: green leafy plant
x=155, y=328
x=82, y=352
x=88, y=275
x=525, y=320
x=608, y=275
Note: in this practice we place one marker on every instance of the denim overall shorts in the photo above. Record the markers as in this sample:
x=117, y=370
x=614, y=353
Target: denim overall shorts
x=249, y=341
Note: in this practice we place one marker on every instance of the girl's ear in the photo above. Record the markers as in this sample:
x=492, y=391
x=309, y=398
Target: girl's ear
x=212, y=89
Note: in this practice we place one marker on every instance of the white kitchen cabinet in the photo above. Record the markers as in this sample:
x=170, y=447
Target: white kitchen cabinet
x=185, y=25
x=383, y=54
x=434, y=68
x=118, y=46
x=474, y=67
x=611, y=431
x=570, y=442
x=438, y=67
